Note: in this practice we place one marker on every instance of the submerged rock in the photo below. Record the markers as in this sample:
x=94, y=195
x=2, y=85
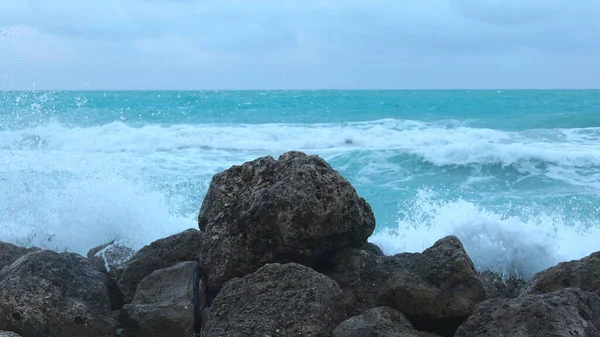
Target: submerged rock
x=567, y=312
x=9, y=253
x=163, y=305
x=277, y=300
x=159, y=254
x=379, y=322
x=44, y=293
x=584, y=274
x=294, y=209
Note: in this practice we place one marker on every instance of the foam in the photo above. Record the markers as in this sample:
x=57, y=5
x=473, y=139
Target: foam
x=519, y=245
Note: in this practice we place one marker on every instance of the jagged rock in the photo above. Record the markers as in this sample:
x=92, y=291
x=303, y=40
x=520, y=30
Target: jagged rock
x=567, y=312
x=163, y=304
x=379, y=322
x=294, y=209
x=438, y=289
x=48, y=294
x=584, y=274
x=9, y=253
x=373, y=248
x=159, y=254
x=497, y=286
x=109, y=256
x=8, y=333
x=277, y=300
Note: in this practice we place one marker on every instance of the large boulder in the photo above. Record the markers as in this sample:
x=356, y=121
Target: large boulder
x=584, y=274
x=277, y=300
x=48, y=294
x=294, y=209
x=159, y=254
x=163, y=305
x=378, y=322
x=110, y=255
x=567, y=312
x=9, y=253
x=438, y=289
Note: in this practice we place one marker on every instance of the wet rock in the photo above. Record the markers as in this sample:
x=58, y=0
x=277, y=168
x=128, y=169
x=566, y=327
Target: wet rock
x=294, y=209
x=277, y=300
x=584, y=274
x=378, y=322
x=44, y=293
x=497, y=286
x=373, y=248
x=163, y=304
x=438, y=289
x=109, y=256
x=159, y=254
x=567, y=312
x=9, y=253
x=8, y=334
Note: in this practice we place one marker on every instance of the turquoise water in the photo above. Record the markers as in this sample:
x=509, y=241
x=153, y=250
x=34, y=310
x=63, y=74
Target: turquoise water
x=515, y=174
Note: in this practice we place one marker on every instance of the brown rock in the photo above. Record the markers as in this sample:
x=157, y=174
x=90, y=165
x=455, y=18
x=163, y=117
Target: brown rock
x=378, y=322
x=159, y=254
x=567, y=312
x=294, y=209
x=277, y=300
x=48, y=294
x=583, y=274
x=163, y=304
x=9, y=253
x=497, y=286
x=438, y=289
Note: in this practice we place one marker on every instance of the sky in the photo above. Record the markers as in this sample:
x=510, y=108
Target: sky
x=302, y=44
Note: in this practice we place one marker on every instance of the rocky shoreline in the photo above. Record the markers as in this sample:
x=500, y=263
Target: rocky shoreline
x=281, y=250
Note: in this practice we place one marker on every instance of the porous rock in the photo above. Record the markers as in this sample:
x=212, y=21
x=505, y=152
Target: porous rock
x=45, y=293
x=437, y=289
x=567, y=312
x=378, y=322
x=499, y=286
x=583, y=274
x=110, y=255
x=294, y=209
x=159, y=254
x=163, y=305
x=277, y=300
x=9, y=253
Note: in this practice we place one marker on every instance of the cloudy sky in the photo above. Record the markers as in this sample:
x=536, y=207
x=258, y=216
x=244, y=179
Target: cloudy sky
x=302, y=44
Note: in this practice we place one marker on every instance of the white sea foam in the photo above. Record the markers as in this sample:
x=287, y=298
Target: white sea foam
x=519, y=245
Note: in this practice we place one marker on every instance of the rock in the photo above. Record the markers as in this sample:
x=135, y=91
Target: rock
x=277, y=300
x=438, y=289
x=8, y=333
x=48, y=294
x=109, y=256
x=497, y=286
x=163, y=304
x=294, y=209
x=584, y=274
x=361, y=275
x=567, y=312
x=160, y=254
x=378, y=322
x=373, y=248
x=9, y=253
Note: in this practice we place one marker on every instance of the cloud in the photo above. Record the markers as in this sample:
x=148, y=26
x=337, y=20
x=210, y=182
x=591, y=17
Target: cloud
x=288, y=43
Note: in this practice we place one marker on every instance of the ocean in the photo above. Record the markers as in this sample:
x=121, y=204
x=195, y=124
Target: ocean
x=514, y=174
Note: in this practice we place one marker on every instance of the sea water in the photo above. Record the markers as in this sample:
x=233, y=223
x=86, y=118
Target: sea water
x=514, y=174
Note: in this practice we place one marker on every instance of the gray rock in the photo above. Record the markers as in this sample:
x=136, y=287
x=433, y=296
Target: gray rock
x=294, y=209
x=159, y=254
x=439, y=288
x=584, y=274
x=163, y=305
x=277, y=300
x=373, y=248
x=48, y=294
x=379, y=322
x=9, y=253
x=8, y=334
x=109, y=256
x=567, y=312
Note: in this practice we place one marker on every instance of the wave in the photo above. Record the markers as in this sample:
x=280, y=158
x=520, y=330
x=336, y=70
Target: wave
x=513, y=245
x=441, y=143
